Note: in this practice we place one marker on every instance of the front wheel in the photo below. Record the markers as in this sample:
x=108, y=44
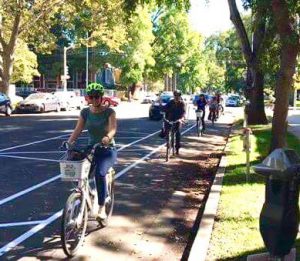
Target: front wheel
x=110, y=200
x=74, y=223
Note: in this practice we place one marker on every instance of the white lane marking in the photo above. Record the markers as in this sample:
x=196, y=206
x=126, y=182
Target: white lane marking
x=129, y=144
x=52, y=218
x=29, y=158
x=17, y=224
x=35, y=142
x=32, y=152
x=23, y=192
x=29, y=233
x=135, y=132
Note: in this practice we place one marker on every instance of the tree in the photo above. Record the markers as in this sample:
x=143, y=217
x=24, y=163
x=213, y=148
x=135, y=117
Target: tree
x=137, y=51
x=284, y=13
x=25, y=65
x=20, y=19
x=35, y=22
x=253, y=55
x=172, y=43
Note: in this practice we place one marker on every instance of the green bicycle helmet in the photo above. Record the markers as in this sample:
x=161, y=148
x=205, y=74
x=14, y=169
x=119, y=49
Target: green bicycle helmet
x=95, y=89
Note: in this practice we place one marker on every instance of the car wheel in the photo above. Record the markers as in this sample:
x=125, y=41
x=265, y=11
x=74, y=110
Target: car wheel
x=107, y=103
x=8, y=111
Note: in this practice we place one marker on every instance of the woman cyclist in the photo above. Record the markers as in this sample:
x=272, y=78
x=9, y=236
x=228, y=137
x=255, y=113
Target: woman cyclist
x=101, y=124
x=201, y=103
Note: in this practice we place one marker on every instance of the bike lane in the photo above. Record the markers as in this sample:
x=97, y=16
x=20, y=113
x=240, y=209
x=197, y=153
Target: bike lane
x=146, y=205
x=31, y=200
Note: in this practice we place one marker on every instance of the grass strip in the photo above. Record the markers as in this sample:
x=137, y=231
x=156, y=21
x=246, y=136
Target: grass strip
x=236, y=229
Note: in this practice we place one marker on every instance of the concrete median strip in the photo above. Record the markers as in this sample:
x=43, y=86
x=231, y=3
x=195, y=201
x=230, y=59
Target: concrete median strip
x=201, y=242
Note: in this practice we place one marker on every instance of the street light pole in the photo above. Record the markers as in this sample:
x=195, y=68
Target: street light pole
x=65, y=66
x=87, y=62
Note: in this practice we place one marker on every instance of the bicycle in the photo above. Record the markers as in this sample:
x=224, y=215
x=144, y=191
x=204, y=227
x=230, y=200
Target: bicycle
x=170, y=137
x=212, y=116
x=199, y=125
x=82, y=204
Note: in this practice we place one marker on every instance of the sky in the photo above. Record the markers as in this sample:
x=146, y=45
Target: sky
x=208, y=18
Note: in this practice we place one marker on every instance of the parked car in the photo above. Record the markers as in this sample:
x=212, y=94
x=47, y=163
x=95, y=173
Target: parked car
x=5, y=105
x=110, y=101
x=39, y=102
x=155, y=110
x=232, y=101
x=69, y=100
x=149, y=98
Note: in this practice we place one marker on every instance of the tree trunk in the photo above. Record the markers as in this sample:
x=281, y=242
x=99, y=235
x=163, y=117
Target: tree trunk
x=255, y=76
x=289, y=49
x=256, y=112
x=6, y=72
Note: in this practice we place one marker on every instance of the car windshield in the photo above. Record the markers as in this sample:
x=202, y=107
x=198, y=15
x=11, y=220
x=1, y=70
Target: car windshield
x=165, y=99
x=36, y=96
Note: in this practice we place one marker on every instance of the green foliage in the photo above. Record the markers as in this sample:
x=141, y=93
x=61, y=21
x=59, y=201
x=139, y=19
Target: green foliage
x=137, y=51
x=25, y=66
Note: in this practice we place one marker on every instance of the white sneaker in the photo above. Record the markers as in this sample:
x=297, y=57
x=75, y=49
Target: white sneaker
x=102, y=213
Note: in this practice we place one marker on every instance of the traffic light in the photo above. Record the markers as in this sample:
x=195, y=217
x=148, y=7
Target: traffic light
x=67, y=70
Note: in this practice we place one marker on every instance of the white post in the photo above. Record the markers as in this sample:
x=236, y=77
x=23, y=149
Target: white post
x=65, y=69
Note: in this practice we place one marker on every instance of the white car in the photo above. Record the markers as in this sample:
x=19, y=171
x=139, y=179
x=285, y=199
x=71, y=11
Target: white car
x=39, y=102
x=149, y=98
x=69, y=100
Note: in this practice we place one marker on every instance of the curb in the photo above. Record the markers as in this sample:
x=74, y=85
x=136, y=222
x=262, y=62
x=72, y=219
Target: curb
x=201, y=242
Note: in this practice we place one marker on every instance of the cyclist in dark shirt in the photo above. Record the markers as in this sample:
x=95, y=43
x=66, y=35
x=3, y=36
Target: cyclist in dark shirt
x=201, y=103
x=175, y=110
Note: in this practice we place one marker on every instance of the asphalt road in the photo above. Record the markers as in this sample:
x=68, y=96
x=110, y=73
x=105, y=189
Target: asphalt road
x=32, y=195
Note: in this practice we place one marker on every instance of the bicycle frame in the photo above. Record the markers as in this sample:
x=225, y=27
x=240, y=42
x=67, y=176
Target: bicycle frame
x=170, y=137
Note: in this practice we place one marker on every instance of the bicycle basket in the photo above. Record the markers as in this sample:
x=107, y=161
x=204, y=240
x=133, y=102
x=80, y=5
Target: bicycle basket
x=199, y=113
x=74, y=170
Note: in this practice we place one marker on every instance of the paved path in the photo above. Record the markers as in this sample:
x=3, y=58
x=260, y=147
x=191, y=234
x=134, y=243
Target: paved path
x=148, y=202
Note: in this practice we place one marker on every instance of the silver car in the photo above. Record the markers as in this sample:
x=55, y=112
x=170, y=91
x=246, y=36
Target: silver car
x=69, y=100
x=39, y=102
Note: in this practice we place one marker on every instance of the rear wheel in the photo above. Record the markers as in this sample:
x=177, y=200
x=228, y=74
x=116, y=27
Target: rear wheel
x=197, y=127
x=213, y=118
x=74, y=223
x=109, y=202
x=173, y=143
x=168, y=146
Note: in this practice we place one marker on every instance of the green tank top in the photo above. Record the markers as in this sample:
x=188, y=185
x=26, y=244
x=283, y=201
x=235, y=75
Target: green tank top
x=97, y=124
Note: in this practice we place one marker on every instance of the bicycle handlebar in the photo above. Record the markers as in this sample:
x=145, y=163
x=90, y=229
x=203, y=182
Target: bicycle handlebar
x=172, y=122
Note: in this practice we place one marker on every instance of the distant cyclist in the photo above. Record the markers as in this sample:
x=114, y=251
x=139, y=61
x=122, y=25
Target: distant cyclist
x=220, y=106
x=175, y=110
x=201, y=103
x=213, y=107
x=101, y=124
